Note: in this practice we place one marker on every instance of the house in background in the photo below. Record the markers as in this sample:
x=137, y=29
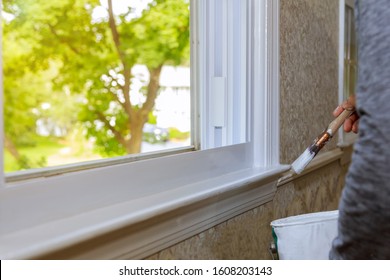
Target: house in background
x=173, y=107
x=202, y=206
x=173, y=104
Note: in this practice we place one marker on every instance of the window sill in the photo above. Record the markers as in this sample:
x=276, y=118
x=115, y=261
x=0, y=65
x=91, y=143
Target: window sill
x=132, y=228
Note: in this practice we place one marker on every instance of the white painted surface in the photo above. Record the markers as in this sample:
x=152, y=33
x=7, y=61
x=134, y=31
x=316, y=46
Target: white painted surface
x=36, y=217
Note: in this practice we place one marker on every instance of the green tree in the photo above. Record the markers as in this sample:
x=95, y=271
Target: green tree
x=94, y=56
x=24, y=92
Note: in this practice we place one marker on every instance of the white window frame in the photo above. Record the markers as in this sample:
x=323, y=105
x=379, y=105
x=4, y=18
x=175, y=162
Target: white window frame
x=345, y=139
x=158, y=202
x=223, y=73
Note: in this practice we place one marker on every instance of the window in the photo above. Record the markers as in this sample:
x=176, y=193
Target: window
x=99, y=81
x=234, y=61
x=347, y=60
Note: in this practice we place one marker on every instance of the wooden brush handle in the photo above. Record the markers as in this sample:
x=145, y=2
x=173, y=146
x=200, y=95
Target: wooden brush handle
x=337, y=122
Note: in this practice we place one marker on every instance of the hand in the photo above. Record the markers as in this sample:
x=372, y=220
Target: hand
x=352, y=123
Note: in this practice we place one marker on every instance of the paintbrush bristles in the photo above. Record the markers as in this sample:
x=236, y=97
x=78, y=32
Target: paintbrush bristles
x=302, y=161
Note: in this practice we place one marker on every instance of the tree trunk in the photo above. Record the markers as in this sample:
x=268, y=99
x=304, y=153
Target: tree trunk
x=10, y=146
x=137, y=123
x=135, y=143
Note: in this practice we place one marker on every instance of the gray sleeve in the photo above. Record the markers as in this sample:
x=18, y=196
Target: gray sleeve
x=364, y=221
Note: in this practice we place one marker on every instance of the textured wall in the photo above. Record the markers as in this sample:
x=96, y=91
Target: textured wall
x=309, y=85
x=308, y=72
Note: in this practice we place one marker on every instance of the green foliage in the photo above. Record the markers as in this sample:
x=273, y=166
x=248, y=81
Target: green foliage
x=176, y=134
x=34, y=155
x=58, y=52
x=160, y=35
x=25, y=162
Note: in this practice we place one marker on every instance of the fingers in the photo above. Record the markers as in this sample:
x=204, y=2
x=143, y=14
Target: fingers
x=348, y=104
x=355, y=126
x=352, y=123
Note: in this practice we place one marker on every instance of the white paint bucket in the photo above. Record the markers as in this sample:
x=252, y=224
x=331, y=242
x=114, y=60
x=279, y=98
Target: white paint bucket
x=305, y=237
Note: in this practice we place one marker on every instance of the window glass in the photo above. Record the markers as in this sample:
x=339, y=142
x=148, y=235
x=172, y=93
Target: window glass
x=90, y=79
x=347, y=61
x=350, y=53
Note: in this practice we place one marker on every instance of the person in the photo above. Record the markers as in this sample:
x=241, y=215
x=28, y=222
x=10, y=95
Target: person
x=364, y=209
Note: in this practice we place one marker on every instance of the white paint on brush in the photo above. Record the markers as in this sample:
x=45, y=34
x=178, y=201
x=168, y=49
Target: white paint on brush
x=302, y=161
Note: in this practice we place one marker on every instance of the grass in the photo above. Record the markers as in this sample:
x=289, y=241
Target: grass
x=44, y=147
x=53, y=151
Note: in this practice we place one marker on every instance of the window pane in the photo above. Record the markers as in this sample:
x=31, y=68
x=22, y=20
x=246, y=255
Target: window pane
x=350, y=53
x=90, y=79
x=349, y=69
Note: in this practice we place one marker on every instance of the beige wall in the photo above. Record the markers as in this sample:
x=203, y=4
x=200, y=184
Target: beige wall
x=308, y=87
x=308, y=72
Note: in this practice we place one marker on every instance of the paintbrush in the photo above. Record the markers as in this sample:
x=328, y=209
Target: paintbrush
x=306, y=157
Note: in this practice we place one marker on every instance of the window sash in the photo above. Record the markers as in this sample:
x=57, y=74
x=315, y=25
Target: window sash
x=223, y=83
x=227, y=71
x=91, y=164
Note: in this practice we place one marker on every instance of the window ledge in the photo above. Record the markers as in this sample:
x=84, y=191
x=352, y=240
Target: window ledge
x=139, y=227
x=343, y=155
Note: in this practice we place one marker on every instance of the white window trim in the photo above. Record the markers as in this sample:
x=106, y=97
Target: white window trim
x=223, y=73
x=139, y=208
x=265, y=78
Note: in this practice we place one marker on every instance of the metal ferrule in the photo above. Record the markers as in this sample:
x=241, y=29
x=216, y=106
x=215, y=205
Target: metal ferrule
x=320, y=142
